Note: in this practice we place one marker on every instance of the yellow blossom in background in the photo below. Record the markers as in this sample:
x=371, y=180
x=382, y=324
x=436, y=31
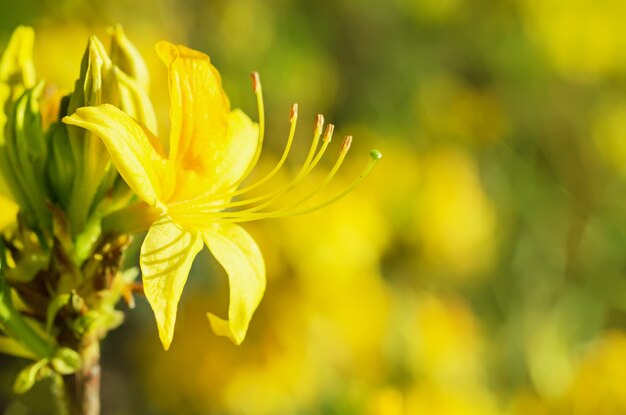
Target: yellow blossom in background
x=445, y=342
x=598, y=386
x=454, y=221
x=429, y=399
x=584, y=39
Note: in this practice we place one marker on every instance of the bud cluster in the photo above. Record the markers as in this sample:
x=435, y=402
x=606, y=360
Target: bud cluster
x=60, y=273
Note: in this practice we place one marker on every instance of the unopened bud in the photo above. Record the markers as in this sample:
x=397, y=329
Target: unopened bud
x=126, y=57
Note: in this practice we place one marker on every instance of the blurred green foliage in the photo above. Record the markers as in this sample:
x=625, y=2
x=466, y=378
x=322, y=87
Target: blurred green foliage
x=480, y=269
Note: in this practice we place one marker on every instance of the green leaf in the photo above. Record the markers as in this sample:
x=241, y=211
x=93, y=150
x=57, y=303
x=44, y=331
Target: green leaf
x=14, y=348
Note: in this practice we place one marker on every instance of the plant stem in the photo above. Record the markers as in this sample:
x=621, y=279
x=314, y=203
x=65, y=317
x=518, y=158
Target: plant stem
x=83, y=387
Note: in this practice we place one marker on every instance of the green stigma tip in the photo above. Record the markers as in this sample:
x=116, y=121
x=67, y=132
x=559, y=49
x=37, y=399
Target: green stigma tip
x=376, y=155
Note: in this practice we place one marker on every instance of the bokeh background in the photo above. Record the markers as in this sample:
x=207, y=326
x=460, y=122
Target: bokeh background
x=480, y=269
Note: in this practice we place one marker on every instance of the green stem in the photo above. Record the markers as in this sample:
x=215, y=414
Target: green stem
x=83, y=387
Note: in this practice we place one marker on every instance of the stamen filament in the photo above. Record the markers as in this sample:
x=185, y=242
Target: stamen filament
x=293, y=121
x=375, y=155
x=258, y=91
x=345, y=146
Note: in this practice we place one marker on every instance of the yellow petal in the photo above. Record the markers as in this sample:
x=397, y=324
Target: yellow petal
x=166, y=257
x=133, y=149
x=238, y=151
x=240, y=256
x=240, y=146
x=199, y=109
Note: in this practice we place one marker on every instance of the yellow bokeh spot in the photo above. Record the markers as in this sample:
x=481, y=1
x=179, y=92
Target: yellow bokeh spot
x=8, y=211
x=444, y=342
x=599, y=386
x=455, y=221
x=584, y=39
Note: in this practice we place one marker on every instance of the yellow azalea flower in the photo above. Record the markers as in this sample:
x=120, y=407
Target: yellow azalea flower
x=212, y=150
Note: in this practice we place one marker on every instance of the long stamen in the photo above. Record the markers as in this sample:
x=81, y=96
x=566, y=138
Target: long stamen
x=345, y=146
x=375, y=155
x=343, y=151
x=258, y=91
x=305, y=169
x=293, y=121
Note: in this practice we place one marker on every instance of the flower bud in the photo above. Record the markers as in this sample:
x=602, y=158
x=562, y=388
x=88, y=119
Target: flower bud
x=126, y=57
x=95, y=86
x=24, y=158
x=17, y=72
x=100, y=82
x=17, y=69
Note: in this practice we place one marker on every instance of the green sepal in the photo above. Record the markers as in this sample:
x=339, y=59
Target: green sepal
x=97, y=321
x=61, y=166
x=66, y=361
x=29, y=375
x=55, y=306
x=28, y=268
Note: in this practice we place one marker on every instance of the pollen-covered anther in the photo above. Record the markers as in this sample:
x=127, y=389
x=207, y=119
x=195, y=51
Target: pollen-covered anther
x=256, y=82
x=319, y=125
x=328, y=133
x=293, y=114
x=345, y=145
